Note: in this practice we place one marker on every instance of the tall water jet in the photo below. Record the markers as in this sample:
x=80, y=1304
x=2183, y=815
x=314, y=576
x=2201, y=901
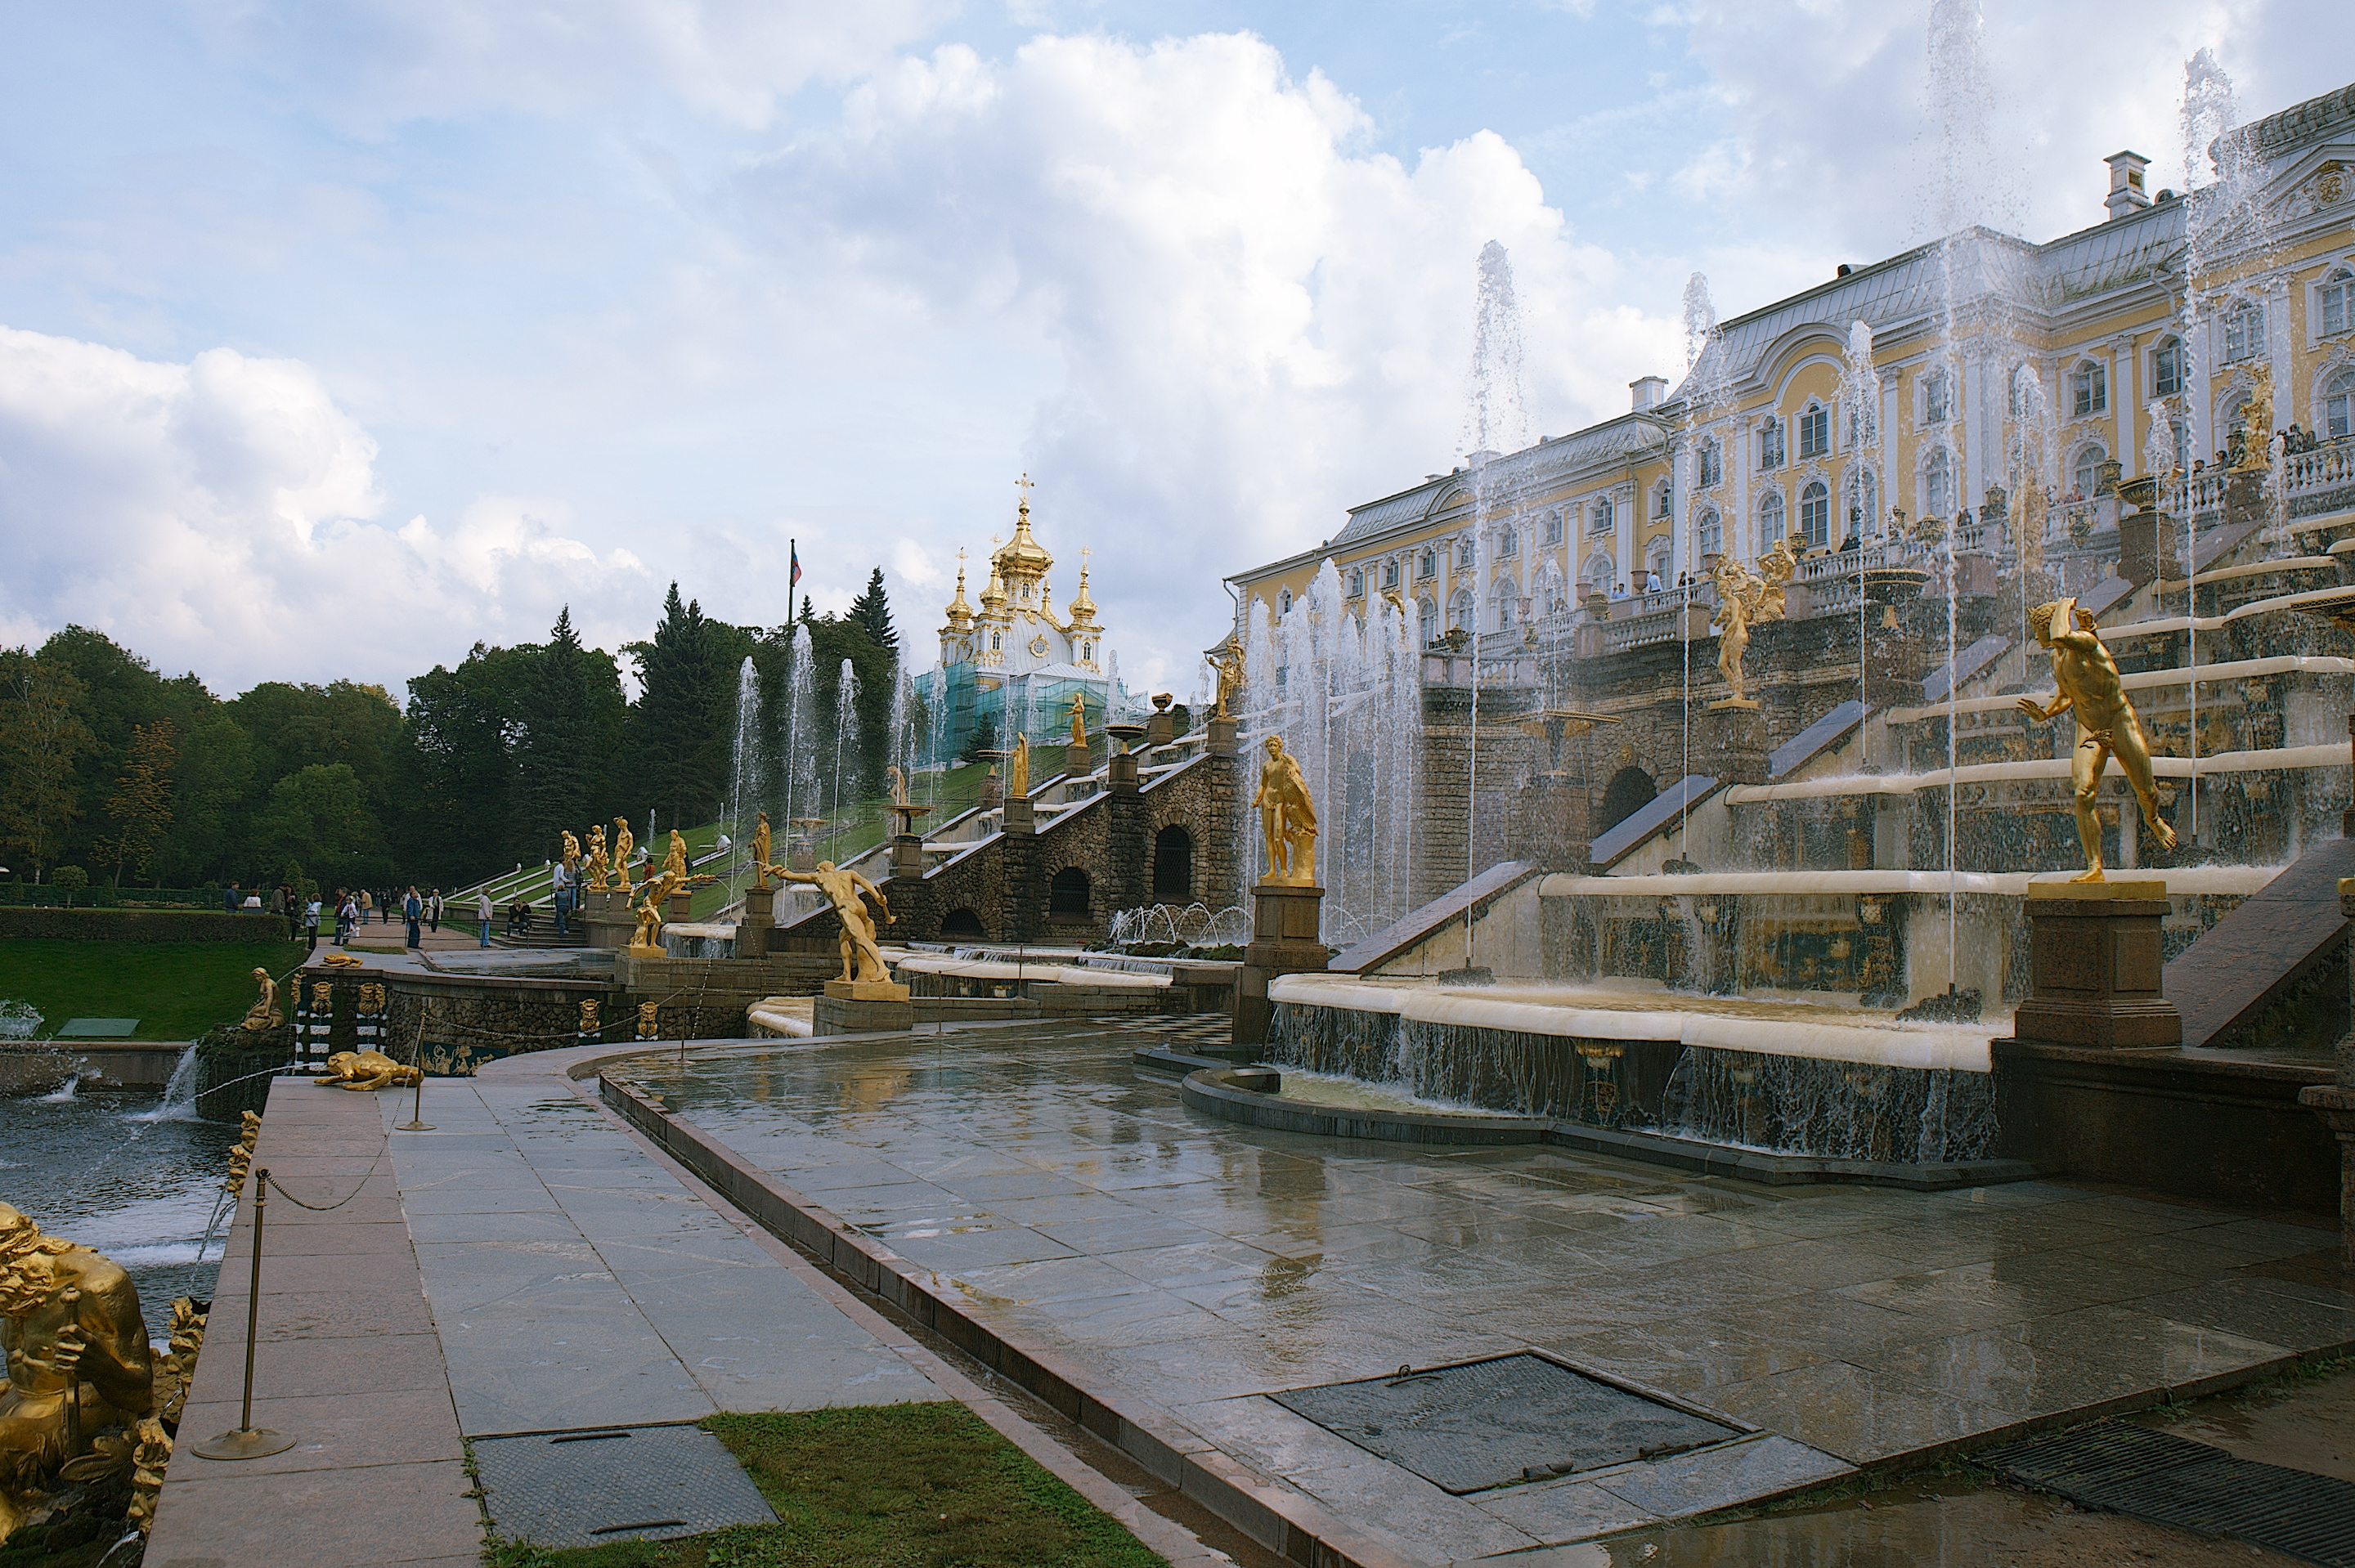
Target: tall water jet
x=745, y=770
x=799, y=764
x=1862, y=386
x=845, y=720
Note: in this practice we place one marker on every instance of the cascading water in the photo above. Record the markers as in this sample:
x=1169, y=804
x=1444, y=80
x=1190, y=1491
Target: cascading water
x=846, y=726
x=1861, y=382
x=798, y=765
x=746, y=770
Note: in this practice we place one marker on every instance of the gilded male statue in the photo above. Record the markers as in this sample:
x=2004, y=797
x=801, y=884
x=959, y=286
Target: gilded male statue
x=571, y=856
x=68, y=1321
x=648, y=936
x=2088, y=679
x=1287, y=819
x=1229, y=664
x=674, y=863
x=597, y=864
x=862, y=960
x=264, y=1013
x=623, y=846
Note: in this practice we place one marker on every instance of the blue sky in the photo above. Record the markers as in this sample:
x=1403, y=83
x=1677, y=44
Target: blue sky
x=336, y=336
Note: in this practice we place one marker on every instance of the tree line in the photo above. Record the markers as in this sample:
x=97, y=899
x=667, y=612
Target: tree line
x=113, y=773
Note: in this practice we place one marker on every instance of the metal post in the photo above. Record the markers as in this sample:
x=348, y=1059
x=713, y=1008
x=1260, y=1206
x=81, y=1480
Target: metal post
x=247, y=1441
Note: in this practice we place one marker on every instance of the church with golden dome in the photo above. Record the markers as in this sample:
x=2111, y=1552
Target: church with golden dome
x=1016, y=661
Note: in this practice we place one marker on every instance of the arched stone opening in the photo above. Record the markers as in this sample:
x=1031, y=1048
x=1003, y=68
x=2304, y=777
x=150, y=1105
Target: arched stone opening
x=1173, y=865
x=1630, y=790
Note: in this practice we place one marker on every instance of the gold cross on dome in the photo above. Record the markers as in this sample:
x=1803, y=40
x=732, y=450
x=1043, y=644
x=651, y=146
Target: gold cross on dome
x=1024, y=485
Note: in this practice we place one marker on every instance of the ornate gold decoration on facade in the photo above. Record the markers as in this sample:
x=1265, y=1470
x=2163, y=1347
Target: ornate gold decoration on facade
x=1287, y=819
x=241, y=1154
x=2256, y=433
x=649, y=1020
x=2088, y=684
x=588, y=1023
x=367, y=1070
x=862, y=960
x=372, y=1001
x=323, y=996
x=265, y=1012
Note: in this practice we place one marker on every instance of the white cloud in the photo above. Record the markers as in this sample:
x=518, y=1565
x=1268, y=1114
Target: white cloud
x=216, y=515
x=1258, y=322
x=371, y=63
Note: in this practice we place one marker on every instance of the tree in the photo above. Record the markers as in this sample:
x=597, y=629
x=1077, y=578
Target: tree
x=141, y=803
x=318, y=815
x=872, y=611
x=42, y=738
x=681, y=730
x=982, y=741
x=209, y=811
x=456, y=769
x=568, y=719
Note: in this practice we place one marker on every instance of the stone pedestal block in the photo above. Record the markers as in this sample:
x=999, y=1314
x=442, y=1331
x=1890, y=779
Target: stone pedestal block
x=607, y=917
x=2095, y=965
x=1161, y=728
x=835, y=1014
x=760, y=918
x=866, y=991
x=908, y=855
x=1222, y=736
x=1077, y=762
x=2147, y=547
x=1123, y=770
x=1730, y=744
x=1554, y=831
x=1019, y=820
x=993, y=790
x=1284, y=941
x=679, y=906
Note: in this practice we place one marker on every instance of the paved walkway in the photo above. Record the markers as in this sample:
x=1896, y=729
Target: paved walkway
x=1073, y=1206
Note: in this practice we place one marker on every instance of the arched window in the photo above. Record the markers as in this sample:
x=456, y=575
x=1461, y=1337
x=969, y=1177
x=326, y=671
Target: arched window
x=1597, y=572
x=2244, y=331
x=1938, y=397
x=1708, y=535
x=1663, y=499
x=1938, y=485
x=1815, y=514
x=1427, y=609
x=1173, y=864
x=1429, y=567
x=2335, y=302
x=1863, y=502
x=1391, y=573
x=2089, y=388
x=2085, y=468
x=1463, y=554
x=1067, y=894
x=1712, y=465
x=2166, y=368
x=1603, y=517
x=1770, y=520
x=993, y=643
x=1285, y=609
x=2338, y=405
x=1549, y=596
x=1508, y=541
x=1815, y=429
x=1770, y=444
x=1357, y=582
x=1657, y=556
x=1088, y=651
x=1459, y=610
x=1554, y=528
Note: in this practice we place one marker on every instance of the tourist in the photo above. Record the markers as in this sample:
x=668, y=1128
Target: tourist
x=1651, y=582
x=433, y=912
x=348, y=915
x=412, y=913
x=231, y=899
x=559, y=880
x=361, y=919
x=311, y=923
x=483, y=913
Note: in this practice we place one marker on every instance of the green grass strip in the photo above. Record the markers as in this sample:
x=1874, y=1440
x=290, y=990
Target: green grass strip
x=175, y=989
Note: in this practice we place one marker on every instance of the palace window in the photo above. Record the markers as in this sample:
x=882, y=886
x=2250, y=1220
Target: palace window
x=2086, y=471
x=2338, y=405
x=1770, y=521
x=1863, y=502
x=1427, y=610
x=2333, y=301
x=1088, y=653
x=1599, y=521
x=1459, y=611
x=1464, y=556
x=1712, y=465
x=1357, y=582
x=1391, y=573
x=993, y=643
x=1815, y=430
x=1770, y=444
x=1508, y=541
x=1664, y=499
x=2166, y=368
x=2089, y=388
x=1708, y=535
x=1554, y=528
x=1598, y=570
x=1938, y=397
x=1938, y=485
x=1286, y=609
x=1428, y=568
x=1815, y=514
x=2245, y=331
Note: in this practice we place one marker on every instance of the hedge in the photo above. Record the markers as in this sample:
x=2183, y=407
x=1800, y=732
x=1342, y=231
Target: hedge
x=144, y=924
x=98, y=896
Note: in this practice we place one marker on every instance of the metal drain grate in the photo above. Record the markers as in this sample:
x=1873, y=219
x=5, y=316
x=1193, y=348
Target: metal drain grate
x=641, y=1483
x=1465, y=1428
x=2173, y=1480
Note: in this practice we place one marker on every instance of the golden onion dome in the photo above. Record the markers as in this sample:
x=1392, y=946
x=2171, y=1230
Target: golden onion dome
x=960, y=613
x=1083, y=607
x=1022, y=557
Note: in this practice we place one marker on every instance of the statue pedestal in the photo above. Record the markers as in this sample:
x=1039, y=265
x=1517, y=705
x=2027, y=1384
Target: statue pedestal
x=679, y=906
x=607, y=917
x=861, y=1007
x=1018, y=818
x=760, y=918
x=1078, y=762
x=1222, y=736
x=1123, y=772
x=1161, y=728
x=2094, y=964
x=1284, y=941
x=1731, y=745
x=908, y=855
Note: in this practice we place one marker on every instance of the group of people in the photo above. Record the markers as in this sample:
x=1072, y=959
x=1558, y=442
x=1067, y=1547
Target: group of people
x=420, y=912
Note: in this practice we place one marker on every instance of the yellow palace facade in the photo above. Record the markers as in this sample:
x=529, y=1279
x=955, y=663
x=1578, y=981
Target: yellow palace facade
x=2179, y=334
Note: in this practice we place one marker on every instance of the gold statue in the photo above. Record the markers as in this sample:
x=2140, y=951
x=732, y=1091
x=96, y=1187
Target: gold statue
x=571, y=856
x=76, y=1356
x=675, y=861
x=1017, y=769
x=264, y=1013
x=1079, y=719
x=1287, y=819
x=760, y=841
x=899, y=788
x=2088, y=679
x=648, y=938
x=624, y=845
x=1774, y=570
x=241, y=1154
x=366, y=1070
x=1742, y=600
x=588, y=1023
x=372, y=1001
x=861, y=958
x=597, y=865
x=1229, y=665
x=323, y=996
x=343, y=961
x=2257, y=423
x=649, y=1020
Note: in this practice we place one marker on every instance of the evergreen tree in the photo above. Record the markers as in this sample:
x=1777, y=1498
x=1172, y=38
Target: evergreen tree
x=555, y=728
x=807, y=614
x=872, y=610
x=683, y=726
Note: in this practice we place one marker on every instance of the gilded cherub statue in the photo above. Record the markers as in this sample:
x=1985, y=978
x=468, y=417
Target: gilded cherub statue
x=1774, y=570
x=761, y=839
x=78, y=1356
x=1017, y=769
x=366, y=1070
x=1287, y=819
x=597, y=865
x=862, y=960
x=265, y=1012
x=2088, y=679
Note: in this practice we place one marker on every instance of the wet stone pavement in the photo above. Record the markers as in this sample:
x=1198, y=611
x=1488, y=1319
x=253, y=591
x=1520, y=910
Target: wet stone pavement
x=1202, y=1264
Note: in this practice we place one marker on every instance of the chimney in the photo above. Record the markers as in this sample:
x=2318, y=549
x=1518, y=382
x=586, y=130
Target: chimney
x=2126, y=193
x=1648, y=391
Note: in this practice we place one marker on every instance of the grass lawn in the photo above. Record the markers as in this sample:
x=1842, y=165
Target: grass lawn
x=175, y=989
x=893, y=1486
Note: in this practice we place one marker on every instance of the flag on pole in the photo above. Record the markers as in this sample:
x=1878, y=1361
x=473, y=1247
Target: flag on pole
x=792, y=550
